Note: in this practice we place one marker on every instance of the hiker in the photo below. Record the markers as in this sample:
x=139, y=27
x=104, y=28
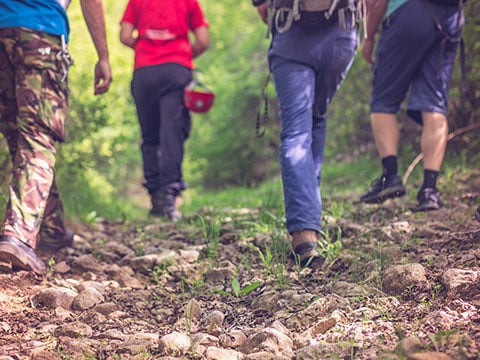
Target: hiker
x=416, y=51
x=309, y=56
x=34, y=63
x=162, y=69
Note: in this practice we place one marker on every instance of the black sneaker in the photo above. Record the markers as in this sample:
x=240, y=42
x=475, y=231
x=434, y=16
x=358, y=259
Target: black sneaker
x=477, y=213
x=164, y=205
x=383, y=188
x=428, y=199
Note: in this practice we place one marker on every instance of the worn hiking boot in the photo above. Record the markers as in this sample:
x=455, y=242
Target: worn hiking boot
x=66, y=241
x=20, y=255
x=165, y=205
x=304, y=243
x=428, y=199
x=383, y=188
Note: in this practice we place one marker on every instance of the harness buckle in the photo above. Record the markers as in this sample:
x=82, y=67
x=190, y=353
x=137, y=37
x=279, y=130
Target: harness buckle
x=65, y=59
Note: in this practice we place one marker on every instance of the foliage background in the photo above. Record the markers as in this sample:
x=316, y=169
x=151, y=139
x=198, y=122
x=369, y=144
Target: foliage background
x=99, y=167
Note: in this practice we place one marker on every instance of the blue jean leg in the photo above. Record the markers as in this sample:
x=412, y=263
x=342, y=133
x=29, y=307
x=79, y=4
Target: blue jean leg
x=302, y=144
x=319, y=134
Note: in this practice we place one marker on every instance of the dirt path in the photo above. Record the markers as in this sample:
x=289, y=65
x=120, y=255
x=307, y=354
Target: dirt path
x=396, y=285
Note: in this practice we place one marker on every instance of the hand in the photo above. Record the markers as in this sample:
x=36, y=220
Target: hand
x=263, y=11
x=367, y=50
x=103, y=77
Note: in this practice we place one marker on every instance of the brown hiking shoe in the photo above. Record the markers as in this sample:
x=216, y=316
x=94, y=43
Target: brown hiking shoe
x=304, y=243
x=20, y=255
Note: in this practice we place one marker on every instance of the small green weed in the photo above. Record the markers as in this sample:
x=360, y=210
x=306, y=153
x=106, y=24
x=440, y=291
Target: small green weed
x=211, y=234
x=329, y=249
x=444, y=338
x=139, y=243
x=237, y=289
x=157, y=273
x=51, y=265
x=274, y=258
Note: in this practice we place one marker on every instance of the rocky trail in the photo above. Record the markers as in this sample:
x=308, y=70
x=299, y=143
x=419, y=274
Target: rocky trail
x=219, y=285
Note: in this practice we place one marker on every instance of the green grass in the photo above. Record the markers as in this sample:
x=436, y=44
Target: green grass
x=268, y=194
x=337, y=179
x=85, y=199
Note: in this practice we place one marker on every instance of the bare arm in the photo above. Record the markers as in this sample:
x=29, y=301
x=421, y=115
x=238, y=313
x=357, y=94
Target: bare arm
x=201, y=41
x=94, y=16
x=375, y=12
x=126, y=34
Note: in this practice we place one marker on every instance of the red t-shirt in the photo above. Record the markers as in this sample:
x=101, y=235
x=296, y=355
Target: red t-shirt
x=163, y=27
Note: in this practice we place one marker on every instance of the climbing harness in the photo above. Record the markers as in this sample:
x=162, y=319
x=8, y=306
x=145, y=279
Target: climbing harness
x=282, y=13
x=63, y=56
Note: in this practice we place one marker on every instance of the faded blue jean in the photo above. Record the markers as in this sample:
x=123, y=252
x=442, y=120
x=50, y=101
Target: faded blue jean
x=305, y=87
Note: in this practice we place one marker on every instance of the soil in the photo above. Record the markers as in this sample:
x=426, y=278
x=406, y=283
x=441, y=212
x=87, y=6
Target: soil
x=229, y=263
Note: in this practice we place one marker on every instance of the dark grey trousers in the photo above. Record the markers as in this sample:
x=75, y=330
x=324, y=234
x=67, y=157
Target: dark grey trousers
x=165, y=124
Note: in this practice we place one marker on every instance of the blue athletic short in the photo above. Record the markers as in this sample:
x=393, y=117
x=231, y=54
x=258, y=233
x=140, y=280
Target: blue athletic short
x=412, y=54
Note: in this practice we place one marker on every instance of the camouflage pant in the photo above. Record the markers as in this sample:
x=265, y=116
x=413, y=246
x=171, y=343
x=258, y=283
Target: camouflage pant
x=33, y=104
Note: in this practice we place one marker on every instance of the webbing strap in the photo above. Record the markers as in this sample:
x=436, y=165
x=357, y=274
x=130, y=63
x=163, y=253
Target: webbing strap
x=331, y=9
x=354, y=15
x=296, y=12
x=283, y=19
x=285, y=16
x=264, y=98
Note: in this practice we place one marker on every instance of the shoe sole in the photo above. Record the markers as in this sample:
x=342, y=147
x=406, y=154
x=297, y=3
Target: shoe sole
x=428, y=207
x=384, y=195
x=174, y=216
x=7, y=254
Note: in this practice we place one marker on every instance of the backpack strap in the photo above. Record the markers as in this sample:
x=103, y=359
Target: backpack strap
x=264, y=99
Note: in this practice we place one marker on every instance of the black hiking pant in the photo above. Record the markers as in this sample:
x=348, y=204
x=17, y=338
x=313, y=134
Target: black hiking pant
x=165, y=124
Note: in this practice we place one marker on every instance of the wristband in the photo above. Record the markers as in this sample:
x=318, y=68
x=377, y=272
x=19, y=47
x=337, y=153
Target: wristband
x=258, y=2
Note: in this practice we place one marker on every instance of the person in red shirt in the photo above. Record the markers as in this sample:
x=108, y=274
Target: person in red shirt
x=159, y=32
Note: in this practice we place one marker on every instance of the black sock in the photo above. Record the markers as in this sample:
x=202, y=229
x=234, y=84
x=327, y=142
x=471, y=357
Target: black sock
x=429, y=179
x=390, y=166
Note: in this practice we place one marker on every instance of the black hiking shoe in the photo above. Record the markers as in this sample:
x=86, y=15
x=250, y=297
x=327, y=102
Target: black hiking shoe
x=383, y=188
x=165, y=205
x=477, y=213
x=428, y=199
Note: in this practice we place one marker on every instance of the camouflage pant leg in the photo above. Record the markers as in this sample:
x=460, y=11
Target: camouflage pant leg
x=32, y=115
x=53, y=227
